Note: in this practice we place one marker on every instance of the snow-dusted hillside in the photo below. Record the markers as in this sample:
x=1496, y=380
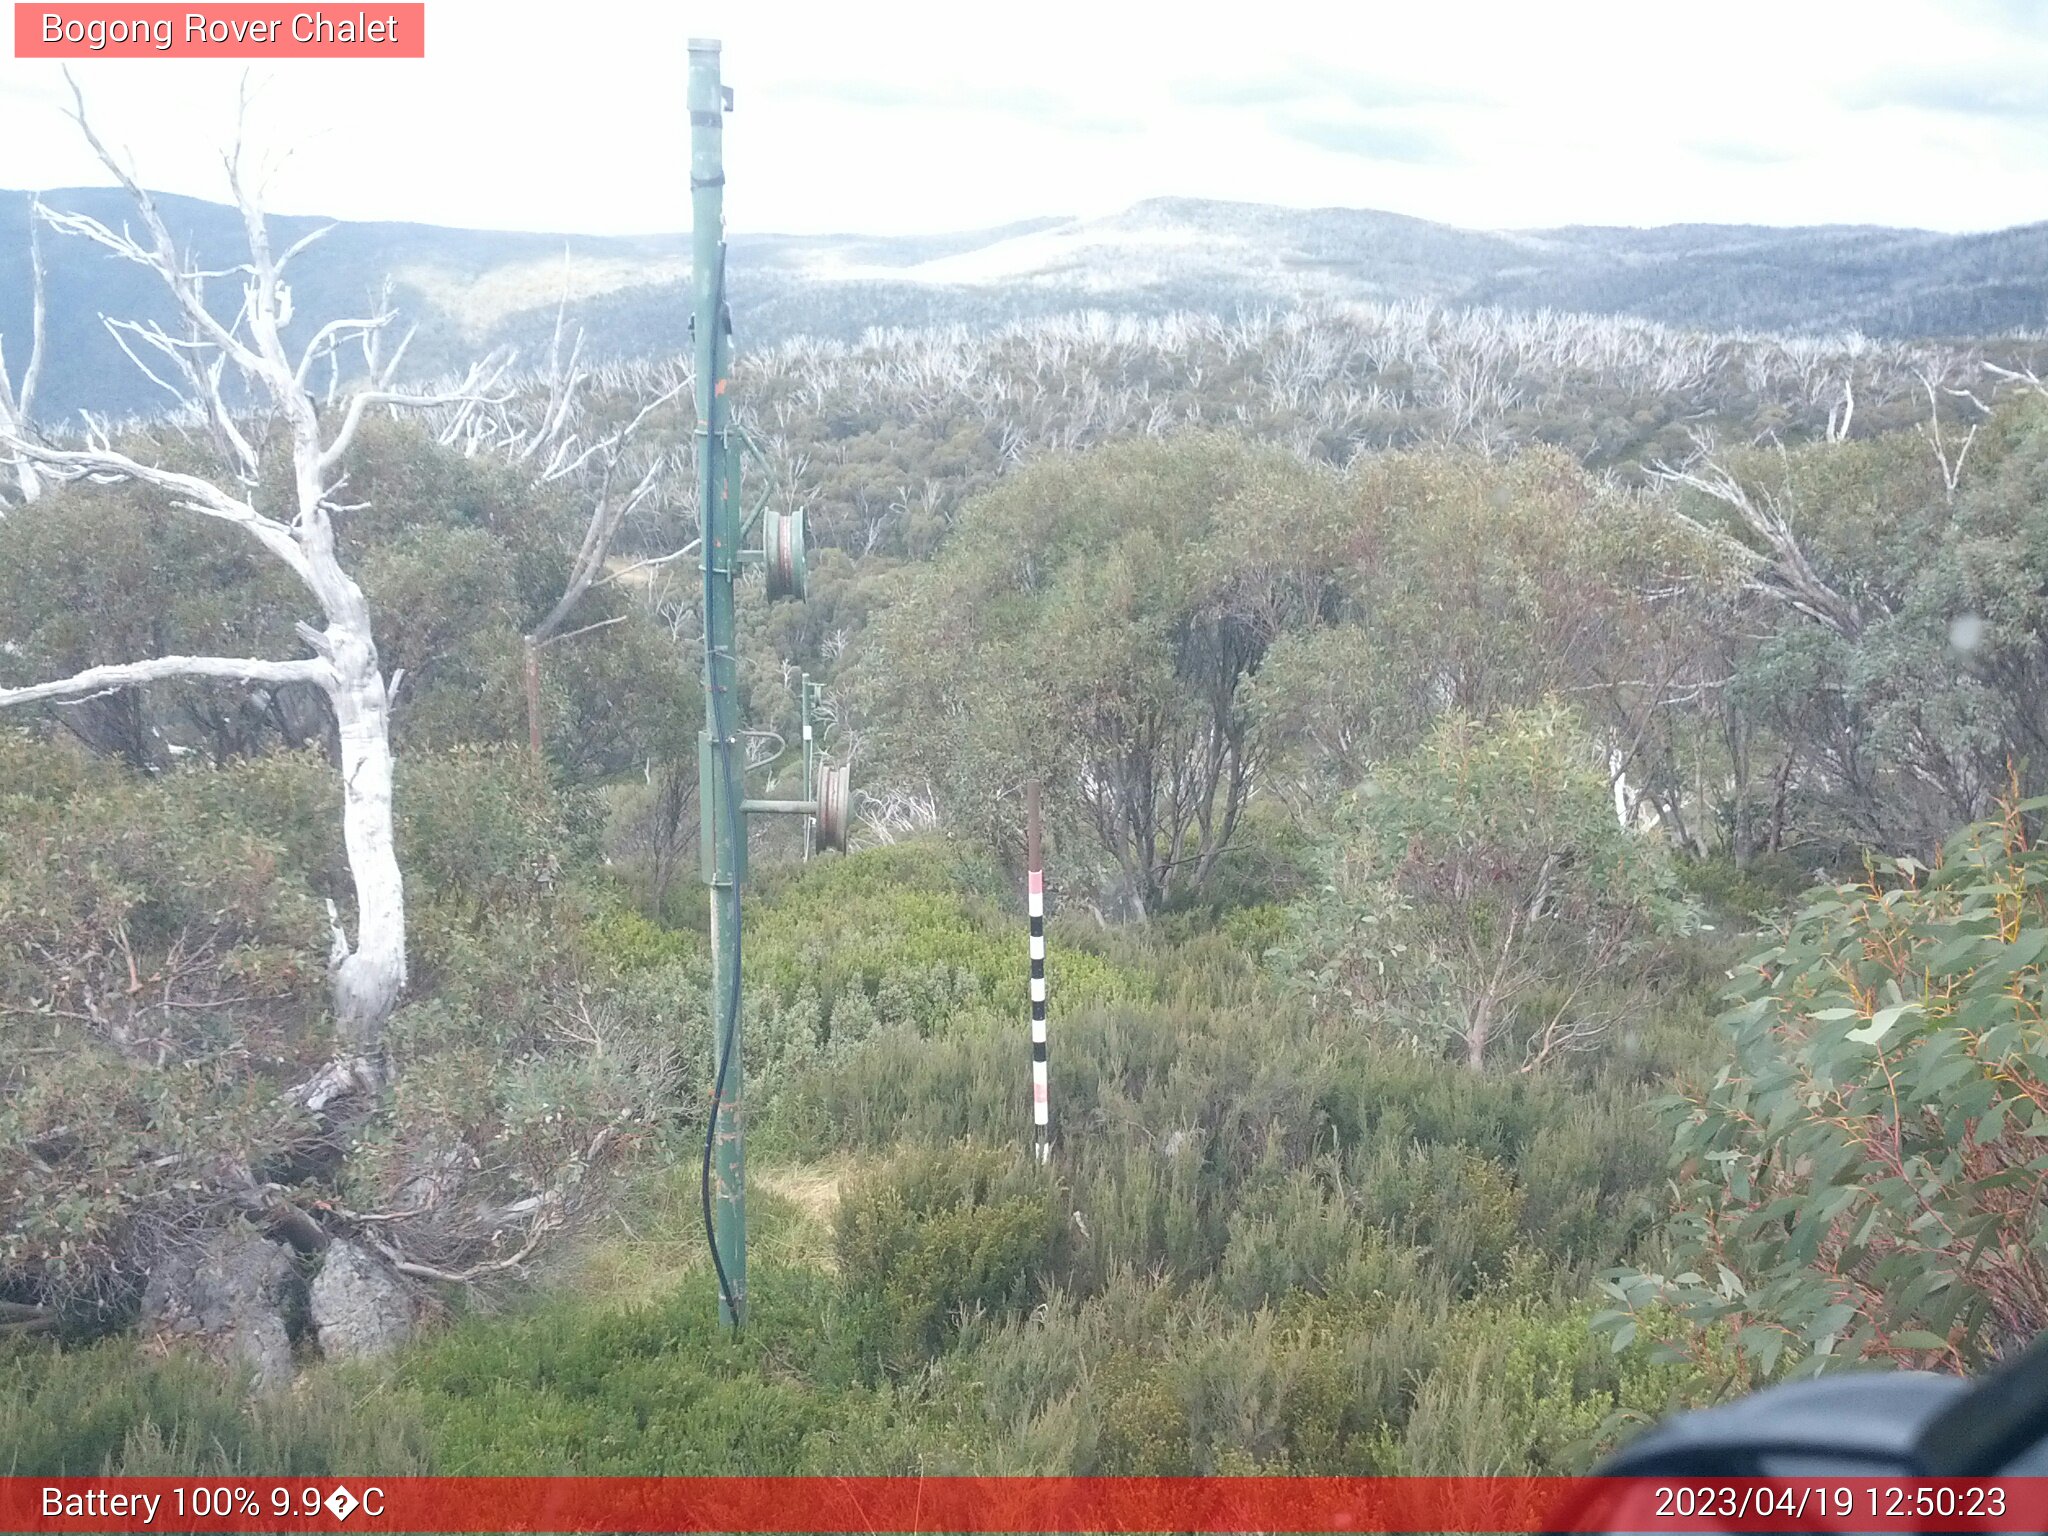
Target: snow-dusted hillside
x=469, y=289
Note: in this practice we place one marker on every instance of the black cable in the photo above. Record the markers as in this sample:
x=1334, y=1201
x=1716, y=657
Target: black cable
x=729, y=1029
x=728, y=1036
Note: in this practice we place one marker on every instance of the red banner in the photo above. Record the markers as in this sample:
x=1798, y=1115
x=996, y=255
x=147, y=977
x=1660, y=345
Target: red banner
x=1020, y=1504
x=236, y=31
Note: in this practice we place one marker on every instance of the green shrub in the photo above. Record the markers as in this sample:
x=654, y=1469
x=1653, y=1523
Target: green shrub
x=1528, y=1389
x=936, y=1236
x=1157, y=1378
x=1482, y=901
x=663, y=1390
x=115, y=1410
x=481, y=826
x=907, y=935
x=1307, y=1239
x=622, y=940
x=160, y=980
x=1753, y=893
x=1458, y=1206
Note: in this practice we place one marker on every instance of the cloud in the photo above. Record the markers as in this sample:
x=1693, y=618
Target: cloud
x=1270, y=92
x=1359, y=90
x=2025, y=16
x=1742, y=152
x=943, y=96
x=1344, y=111
x=1021, y=101
x=2000, y=91
x=1367, y=140
x=1472, y=112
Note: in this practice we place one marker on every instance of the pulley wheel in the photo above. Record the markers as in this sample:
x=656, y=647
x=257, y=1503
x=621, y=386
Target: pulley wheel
x=782, y=540
x=835, y=808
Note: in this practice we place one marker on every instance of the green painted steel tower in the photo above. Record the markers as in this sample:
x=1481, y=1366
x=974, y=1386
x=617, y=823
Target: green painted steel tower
x=723, y=830
x=826, y=801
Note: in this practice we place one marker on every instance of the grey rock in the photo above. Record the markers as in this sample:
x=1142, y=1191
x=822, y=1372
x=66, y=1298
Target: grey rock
x=234, y=1296
x=358, y=1304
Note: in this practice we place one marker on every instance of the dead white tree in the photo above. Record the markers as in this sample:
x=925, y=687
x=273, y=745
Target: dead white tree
x=898, y=812
x=1951, y=466
x=1779, y=569
x=2018, y=376
x=243, y=363
x=542, y=428
x=1840, y=416
x=611, y=504
x=15, y=406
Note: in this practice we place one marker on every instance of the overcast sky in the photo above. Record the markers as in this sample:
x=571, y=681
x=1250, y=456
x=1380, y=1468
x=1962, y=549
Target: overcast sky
x=891, y=118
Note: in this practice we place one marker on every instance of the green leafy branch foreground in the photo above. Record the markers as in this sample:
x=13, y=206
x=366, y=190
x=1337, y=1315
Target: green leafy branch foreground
x=1864, y=1180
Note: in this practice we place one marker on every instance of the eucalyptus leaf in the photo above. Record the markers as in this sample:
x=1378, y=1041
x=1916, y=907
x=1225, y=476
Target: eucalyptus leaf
x=1882, y=1021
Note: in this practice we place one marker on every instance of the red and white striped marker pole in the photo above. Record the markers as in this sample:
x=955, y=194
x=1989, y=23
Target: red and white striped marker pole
x=1041, y=1109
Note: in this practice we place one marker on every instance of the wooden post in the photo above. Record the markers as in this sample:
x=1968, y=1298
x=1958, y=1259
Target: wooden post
x=1041, y=1110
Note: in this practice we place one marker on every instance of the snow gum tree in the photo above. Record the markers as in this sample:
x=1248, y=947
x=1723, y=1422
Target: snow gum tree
x=253, y=396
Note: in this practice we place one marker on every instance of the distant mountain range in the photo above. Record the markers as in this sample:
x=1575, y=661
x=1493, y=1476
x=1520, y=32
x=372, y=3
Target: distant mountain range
x=467, y=290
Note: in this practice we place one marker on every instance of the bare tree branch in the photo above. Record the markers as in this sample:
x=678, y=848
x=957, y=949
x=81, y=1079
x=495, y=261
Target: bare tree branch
x=1781, y=569
x=102, y=462
x=605, y=519
x=534, y=1237
x=1951, y=470
x=652, y=562
x=330, y=336
x=476, y=384
x=26, y=401
x=243, y=669
x=587, y=629
x=186, y=283
x=608, y=511
x=302, y=242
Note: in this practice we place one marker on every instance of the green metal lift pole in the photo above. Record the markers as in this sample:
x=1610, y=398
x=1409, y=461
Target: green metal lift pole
x=723, y=825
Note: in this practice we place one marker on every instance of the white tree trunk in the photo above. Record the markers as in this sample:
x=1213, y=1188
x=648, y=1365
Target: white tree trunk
x=15, y=407
x=369, y=977
x=28, y=485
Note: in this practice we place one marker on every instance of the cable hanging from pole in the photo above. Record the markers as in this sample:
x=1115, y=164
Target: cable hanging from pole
x=727, y=1033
